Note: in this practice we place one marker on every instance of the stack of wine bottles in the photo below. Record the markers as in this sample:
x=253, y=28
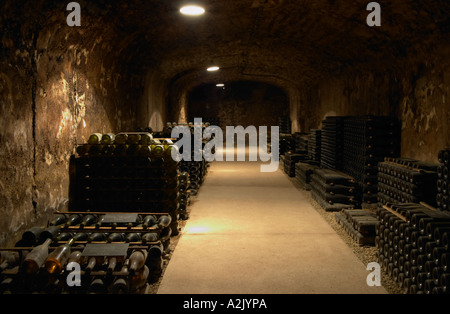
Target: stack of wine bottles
x=314, y=145
x=443, y=182
x=81, y=252
x=403, y=180
x=284, y=123
x=290, y=159
x=286, y=144
x=367, y=141
x=332, y=143
x=127, y=172
x=300, y=142
x=413, y=247
x=334, y=190
x=304, y=171
x=360, y=224
x=197, y=171
x=184, y=189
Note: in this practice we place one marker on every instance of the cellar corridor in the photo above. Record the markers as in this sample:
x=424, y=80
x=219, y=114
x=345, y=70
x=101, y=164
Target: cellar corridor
x=253, y=232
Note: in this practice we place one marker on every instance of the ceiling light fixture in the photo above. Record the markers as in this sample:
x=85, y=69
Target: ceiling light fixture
x=220, y=85
x=213, y=68
x=193, y=10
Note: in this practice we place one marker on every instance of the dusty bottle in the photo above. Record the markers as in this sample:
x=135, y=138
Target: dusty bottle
x=133, y=237
x=73, y=220
x=150, y=237
x=137, y=260
x=139, y=279
x=95, y=138
x=116, y=237
x=88, y=220
x=164, y=221
x=108, y=138
x=97, y=286
x=148, y=221
x=31, y=236
x=58, y=220
x=146, y=139
x=112, y=264
x=49, y=233
x=34, y=260
x=57, y=259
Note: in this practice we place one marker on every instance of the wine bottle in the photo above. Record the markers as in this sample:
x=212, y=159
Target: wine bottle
x=120, y=284
x=64, y=236
x=146, y=139
x=137, y=260
x=148, y=221
x=133, y=237
x=157, y=150
x=73, y=220
x=139, y=279
x=36, y=258
x=88, y=220
x=81, y=236
x=58, y=220
x=145, y=150
x=97, y=286
x=133, y=138
x=95, y=138
x=91, y=262
x=150, y=237
x=108, y=138
x=49, y=233
x=75, y=257
x=164, y=221
x=112, y=264
x=97, y=237
x=116, y=237
x=56, y=259
x=31, y=236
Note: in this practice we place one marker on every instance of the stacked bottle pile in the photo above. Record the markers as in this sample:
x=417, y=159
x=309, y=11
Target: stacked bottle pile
x=127, y=172
x=286, y=144
x=184, y=190
x=413, y=247
x=332, y=143
x=334, y=190
x=88, y=253
x=284, y=123
x=443, y=182
x=290, y=159
x=403, y=180
x=304, y=172
x=197, y=171
x=367, y=141
x=300, y=142
x=359, y=224
x=314, y=145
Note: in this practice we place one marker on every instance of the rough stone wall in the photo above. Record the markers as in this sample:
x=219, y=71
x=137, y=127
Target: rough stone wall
x=57, y=85
x=153, y=106
x=418, y=94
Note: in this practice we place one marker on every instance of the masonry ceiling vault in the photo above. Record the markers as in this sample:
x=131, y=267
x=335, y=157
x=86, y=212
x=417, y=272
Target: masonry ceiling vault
x=279, y=41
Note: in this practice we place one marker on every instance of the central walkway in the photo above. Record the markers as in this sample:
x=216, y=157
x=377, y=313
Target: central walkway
x=256, y=233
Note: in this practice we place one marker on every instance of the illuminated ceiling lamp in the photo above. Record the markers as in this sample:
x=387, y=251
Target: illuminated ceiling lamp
x=213, y=68
x=192, y=10
x=220, y=85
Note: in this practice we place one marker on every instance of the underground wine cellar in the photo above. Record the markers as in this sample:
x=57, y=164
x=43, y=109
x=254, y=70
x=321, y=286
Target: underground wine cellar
x=224, y=147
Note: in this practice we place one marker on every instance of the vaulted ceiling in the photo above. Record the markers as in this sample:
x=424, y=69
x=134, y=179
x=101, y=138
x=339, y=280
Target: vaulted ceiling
x=284, y=42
